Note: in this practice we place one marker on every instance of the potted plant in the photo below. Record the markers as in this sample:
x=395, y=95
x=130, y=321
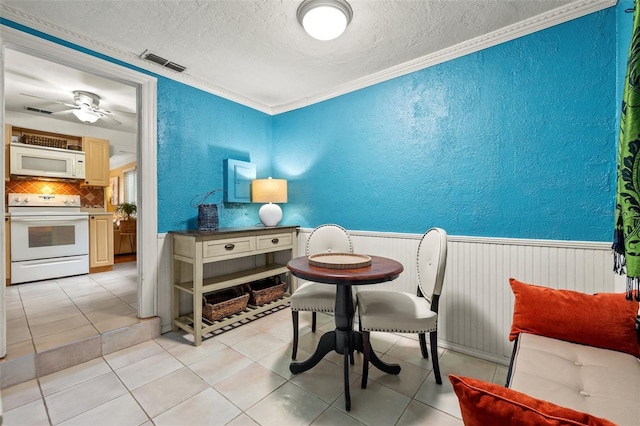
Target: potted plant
x=126, y=211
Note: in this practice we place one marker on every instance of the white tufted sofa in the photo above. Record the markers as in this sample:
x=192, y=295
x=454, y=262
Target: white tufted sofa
x=601, y=382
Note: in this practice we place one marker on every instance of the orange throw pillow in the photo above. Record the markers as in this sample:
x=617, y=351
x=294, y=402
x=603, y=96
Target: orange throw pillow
x=483, y=403
x=604, y=320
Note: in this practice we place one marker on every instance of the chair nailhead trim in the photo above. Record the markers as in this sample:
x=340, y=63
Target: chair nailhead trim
x=393, y=330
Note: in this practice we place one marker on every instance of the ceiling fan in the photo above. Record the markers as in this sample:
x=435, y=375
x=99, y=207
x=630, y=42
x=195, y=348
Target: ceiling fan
x=85, y=108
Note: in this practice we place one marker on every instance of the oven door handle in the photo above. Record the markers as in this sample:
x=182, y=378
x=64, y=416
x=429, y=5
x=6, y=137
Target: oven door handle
x=48, y=219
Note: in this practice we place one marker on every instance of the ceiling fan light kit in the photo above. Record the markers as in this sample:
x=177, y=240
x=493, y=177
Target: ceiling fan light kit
x=324, y=19
x=86, y=115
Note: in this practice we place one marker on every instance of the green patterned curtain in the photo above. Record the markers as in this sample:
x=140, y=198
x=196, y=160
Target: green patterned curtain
x=626, y=239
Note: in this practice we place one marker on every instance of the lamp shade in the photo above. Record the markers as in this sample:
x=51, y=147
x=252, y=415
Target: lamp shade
x=269, y=191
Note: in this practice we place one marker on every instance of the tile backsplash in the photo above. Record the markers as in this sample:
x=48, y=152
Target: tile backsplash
x=89, y=196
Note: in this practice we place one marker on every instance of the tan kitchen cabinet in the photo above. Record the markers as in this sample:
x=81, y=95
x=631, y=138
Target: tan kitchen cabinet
x=97, y=161
x=100, y=242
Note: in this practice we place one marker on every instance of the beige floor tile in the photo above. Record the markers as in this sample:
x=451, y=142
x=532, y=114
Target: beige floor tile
x=119, y=286
x=121, y=411
x=147, y=370
x=115, y=310
x=117, y=322
x=375, y=405
x=20, y=394
x=500, y=378
x=208, y=405
x=57, y=315
x=242, y=420
x=46, y=305
x=382, y=342
x=17, y=331
x=133, y=354
x=53, y=340
x=19, y=349
x=279, y=361
x=250, y=385
x=37, y=289
x=210, y=369
x=33, y=413
x=259, y=346
x=421, y=414
x=73, y=376
x=14, y=309
x=325, y=380
x=84, y=289
x=130, y=298
x=173, y=338
x=332, y=416
x=83, y=397
x=168, y=391
x=288, y=405
x=73, y=321
x=442, y=396
x=237, y=335
x=408, y=350
x=92, y=303
x=77, y=279
x=407, y=382
x=309, y=342
x=187, y=353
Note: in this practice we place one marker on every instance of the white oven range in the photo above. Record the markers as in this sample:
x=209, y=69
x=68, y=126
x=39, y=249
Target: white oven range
x=49, y=237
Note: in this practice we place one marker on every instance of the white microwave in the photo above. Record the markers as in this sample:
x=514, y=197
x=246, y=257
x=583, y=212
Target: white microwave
x=34, y=160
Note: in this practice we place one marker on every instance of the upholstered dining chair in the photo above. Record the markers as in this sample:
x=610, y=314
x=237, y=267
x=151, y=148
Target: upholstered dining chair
x=398, y=312
x=317, y=297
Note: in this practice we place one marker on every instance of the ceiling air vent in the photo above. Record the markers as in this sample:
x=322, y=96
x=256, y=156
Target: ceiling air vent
x=162, y=61
x=41, y=111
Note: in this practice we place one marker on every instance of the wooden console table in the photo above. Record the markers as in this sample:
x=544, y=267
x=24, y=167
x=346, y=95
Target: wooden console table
x=194, y=249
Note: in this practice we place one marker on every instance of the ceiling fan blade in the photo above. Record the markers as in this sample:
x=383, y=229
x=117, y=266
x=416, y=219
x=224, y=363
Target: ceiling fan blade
x=115, y=111
x=45, y=99
x=65, y=112
x=110, y=117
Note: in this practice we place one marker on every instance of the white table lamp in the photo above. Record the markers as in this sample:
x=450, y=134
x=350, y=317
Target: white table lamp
x=269, y=191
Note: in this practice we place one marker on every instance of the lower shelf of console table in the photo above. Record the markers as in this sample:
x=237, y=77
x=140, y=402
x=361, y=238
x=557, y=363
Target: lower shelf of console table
x=186, y=322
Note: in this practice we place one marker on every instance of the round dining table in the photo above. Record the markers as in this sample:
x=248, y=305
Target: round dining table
x=344, y=339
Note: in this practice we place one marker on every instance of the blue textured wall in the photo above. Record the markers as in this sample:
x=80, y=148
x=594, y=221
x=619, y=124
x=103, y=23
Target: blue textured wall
x=196, y=132
x=514, y=141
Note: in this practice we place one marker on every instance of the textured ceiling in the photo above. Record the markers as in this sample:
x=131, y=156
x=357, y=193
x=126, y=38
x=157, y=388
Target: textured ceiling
x=256, y=53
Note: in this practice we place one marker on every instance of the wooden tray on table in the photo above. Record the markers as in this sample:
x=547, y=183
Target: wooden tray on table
x=340, y=260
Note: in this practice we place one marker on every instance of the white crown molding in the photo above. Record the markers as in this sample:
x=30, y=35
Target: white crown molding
x=545, y=20
x=540, y=22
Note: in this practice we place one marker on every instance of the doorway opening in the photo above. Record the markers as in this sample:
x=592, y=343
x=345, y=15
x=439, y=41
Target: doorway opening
x=145, y=136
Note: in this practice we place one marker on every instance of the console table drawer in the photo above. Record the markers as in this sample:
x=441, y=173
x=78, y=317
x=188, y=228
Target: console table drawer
x=228, y=247
x=274, y=241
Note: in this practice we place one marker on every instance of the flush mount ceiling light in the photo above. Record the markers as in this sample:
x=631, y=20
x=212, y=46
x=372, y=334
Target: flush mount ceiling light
x=324, y=19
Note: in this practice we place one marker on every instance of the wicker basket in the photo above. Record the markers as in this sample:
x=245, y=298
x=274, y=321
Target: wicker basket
x=224, y=303
x=265, y=291
x=44, y=141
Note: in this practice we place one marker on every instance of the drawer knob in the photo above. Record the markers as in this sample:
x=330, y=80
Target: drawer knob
x=275, y=241
x=229, y=246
